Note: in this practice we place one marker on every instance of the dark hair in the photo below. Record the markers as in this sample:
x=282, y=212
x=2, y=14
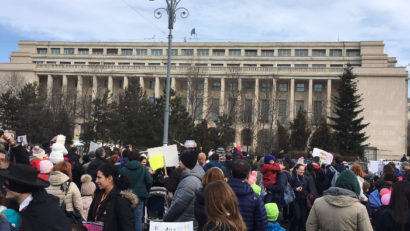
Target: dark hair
x=392, y=164
x=142, y=158
x=240, y=169
x=108, y=170
x=311, y=170
x=73, y=150
x=125, y=153
x=400, y=204
x=388, y=169
x=133, y=155
x=296, y=167
x=86, y=159
x=316, y=159
x=229, y=156
x=338, y=159
x=214, y=157
x=99, y=152
x=3, y=151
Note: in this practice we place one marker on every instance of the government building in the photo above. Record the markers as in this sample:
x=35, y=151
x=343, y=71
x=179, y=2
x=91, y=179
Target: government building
x=257, y=83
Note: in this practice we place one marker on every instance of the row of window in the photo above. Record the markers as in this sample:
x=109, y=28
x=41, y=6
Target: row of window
x=199, y=52
x=280, y=66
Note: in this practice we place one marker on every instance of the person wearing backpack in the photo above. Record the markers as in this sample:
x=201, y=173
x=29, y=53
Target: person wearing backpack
x=333, y=172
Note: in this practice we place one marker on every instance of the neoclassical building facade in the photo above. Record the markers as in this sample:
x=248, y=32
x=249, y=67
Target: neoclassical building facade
x=258, y=83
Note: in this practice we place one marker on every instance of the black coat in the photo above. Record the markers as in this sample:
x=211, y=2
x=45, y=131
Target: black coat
x=199, y=209
x=44, y=213
x=95, y=165
x=385, y=222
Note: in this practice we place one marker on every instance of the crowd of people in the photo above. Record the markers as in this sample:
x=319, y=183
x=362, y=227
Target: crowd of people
x=48, y=187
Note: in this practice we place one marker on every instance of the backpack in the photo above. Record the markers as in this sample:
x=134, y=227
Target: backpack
x=336, y=175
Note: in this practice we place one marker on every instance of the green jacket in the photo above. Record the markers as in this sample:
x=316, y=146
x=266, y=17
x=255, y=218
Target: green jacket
x=139, y=177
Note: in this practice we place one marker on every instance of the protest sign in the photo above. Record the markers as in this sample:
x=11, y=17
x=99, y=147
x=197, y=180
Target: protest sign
x=11, y=133
x=171, y=226
x=94, y=146
x=22, y=139
x=156, y=162
x=170, y=154
x=374, y=166
x=325, y=157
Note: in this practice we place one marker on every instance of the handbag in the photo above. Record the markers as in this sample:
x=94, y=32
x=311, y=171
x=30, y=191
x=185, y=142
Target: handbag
x=288, y=194
x=74, y=217
x=310, y=198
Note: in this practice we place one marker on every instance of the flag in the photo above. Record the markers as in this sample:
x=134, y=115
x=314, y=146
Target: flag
x=192, y=31
x=153, y=98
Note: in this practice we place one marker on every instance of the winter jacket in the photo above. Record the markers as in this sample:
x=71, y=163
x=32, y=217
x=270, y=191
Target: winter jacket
x=44, y=213
x=139, y=178
x=269, y=176
x=303, y=181
x=362, y=197
x=213, y=164
x=182, y=205
x=95, y=165
x=386, y=222
x=171, y=183
x=277, y=189
x=73, y=198
x=228, y=166
x=329, y=175
x=275, y=226
x=251, y=205
x=338, y=209
x=320, y=178
x=20, y=155
x=119, y=212
x=199, y=210
x=86, y=201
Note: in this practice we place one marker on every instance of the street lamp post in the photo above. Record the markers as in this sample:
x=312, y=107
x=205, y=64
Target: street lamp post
x=171, y=10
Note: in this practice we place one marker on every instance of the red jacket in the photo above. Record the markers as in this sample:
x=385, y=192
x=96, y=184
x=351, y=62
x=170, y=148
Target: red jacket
x=268, y=176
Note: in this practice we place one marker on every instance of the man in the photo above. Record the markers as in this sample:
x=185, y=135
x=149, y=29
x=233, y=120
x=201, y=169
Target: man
x=404, y=158
x=39, y=210
x=140, y=182
x=97, y=163
x=214, y=162
x=251, y=204
x=320, y=175
x=182, y=205
x=337, y=166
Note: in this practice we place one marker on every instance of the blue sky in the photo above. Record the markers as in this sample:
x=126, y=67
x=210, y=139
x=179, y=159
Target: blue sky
x=214, y=21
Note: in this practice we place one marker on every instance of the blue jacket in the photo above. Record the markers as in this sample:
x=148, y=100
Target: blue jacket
x=275, y=226
x=214, y=163
x=251, y=205
x=277, y=189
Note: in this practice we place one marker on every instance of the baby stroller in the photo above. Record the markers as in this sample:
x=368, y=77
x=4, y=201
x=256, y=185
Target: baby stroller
x=155, y=205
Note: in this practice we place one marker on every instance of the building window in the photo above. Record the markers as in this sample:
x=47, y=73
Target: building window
x=284, y=52
x=250, y=65
x=352, y=52
x=94, y=63
x=187, y=52
x=51, y=62
x=200, y=85
x=154, y=64
x=82, y=51
x=214, y=109
x=267, y=65
x=335, y=52
x=79, y=63
x=203, y=52
x=268, y=53
x=98, y=51
x=139, y=64
x=42, y=51
x=123, y=64
x=184, y=85
x=282, y=111
x=233, y=65
x=68, y=51
x=141, y=52
x=249, y=85
x=65, y=63
x=174, y=52
x=218, y=52
x=233, y=86
x=318, y=52
x=318, y=87
x=112, y=51
x=265, y=110
x=301, y=66
x=38, y=62
x=156, y=52
x=217, y=65
x=231, y=108
x=151, y=84
x=251, y=52
x=265, y=86
x=234, y=52
x=247, y=137
x=318, y=66
x=299, y=106
x=201, y=64
x=283, y=66
x=199, y=103
x=126, y=52
x=109, y=63
x=300, y=87
x=216, y=85
x=283, y=87
x=301, y=52
x=248, y=112
x=317, y=111
x=336, y=65
x=185, y=65
x=55, y=51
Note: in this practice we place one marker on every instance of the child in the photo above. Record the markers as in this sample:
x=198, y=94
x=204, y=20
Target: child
x=269, y=170
x=272, y=212
x=87, y=194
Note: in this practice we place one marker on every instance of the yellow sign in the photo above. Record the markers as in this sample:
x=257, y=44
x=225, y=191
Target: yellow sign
x=156, y=162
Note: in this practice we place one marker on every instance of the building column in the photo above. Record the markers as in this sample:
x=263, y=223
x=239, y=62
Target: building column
x=292, y=100
x=274, y=107
x=37, y=79
x=157, y=93
x=125, y=83
x=173, y=84
x=205, y=100
x=110, y=88
x=310, y=101
x=256, y=116
x=64, y=85
x=79, y=87
x=49, y=86
x=238, y=114
x=95, y=88
x=328, y=99
x=189, y=98
x=222, y=97
x=142, y=82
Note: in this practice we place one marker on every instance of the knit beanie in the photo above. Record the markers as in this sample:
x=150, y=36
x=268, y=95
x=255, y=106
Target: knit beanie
x=46, y=166
x=87, y=186
x=189, y=159
x=348, y=180
x=220, y=152
x=57, y=153
x=272, y=211
x=268, y=158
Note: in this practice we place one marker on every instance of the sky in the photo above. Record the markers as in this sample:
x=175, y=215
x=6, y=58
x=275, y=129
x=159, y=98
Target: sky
x=213, y=20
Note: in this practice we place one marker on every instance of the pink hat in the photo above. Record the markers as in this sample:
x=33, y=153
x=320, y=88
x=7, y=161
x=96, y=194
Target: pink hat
x=385, y=191
x=386, y=199
x=46, y=166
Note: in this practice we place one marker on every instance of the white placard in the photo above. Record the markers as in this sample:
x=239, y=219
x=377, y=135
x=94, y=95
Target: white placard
x=170, y=154
x=22, y=139
x=325, y=157
x=374, y=166
x=94, y=146
x=171, y=226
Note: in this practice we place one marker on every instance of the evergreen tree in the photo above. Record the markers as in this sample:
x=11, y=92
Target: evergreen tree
x=224, y=133
x=347, y=123
x=300, y=131
x=323, y=138
x=283, y=137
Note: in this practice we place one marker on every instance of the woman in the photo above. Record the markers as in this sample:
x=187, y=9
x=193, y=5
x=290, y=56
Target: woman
x=300, y=184
x=112, y=204
x=397, y=216
x=357, y=169
x=312, y=185
x=211, y=175
x=61, y=186
x=221, y=206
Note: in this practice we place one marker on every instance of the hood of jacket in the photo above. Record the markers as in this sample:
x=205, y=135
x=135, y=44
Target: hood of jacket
x=339, y=167
x=240, y=187
x=340, y=197
x=132, y=165
x=57, y=178
x=129, y=195
x=197, y=171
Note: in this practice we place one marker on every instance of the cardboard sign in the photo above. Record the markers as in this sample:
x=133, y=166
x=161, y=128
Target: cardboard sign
x=374, y=166
x=94, y=146
x=325, y=157
x=22, y=139
x=11, y=133
x=170, y=154
x=156, y=162
x=171, y=226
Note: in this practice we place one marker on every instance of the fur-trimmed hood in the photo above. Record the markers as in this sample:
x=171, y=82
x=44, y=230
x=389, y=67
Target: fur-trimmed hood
x=129, y=195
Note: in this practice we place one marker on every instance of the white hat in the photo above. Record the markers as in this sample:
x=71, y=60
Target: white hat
x=57, y=153
x=38, y=153
x=60, y=139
